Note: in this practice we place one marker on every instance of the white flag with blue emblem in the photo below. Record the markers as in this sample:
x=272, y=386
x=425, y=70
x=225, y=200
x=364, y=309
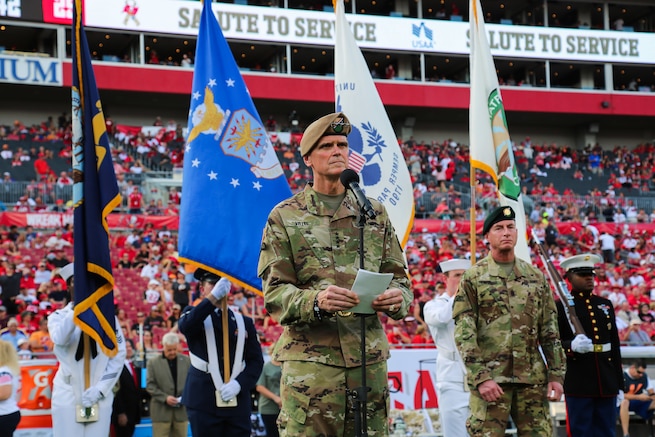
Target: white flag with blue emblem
x=491, y=147
x=374, y=150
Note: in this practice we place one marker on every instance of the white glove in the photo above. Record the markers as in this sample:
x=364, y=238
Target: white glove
x=91, y=396
x=230, y=390
x=582, y=344
x=221, y=289
x=619, y=398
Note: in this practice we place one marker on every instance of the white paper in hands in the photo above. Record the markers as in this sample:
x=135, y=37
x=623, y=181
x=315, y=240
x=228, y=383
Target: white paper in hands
x=369, y=285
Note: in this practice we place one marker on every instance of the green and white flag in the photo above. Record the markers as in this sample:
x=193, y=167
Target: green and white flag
x=490, y=144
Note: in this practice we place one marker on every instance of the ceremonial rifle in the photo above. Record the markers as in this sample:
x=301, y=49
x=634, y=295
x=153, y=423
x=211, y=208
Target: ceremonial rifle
x=560, y=286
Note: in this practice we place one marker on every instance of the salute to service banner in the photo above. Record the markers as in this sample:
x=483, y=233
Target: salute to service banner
x=296, y=26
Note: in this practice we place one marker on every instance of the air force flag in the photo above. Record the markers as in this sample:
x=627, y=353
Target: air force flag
x=232, y=176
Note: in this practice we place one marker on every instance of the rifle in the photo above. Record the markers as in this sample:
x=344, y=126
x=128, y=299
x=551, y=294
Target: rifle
x=561, y=288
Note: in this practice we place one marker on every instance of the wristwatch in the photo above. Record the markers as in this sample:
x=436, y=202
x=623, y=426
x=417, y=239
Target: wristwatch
x=318, y=312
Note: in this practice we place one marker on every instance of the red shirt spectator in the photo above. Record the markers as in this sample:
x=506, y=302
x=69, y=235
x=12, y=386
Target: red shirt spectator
x=42, y=167
x=174, y=196
x=135, y=201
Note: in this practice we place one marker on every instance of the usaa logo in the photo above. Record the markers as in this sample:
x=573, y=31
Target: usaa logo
x=423, y=36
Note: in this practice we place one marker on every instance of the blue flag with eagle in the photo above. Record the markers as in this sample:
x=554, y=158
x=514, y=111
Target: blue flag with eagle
x=95, y=195
x=374, y=150
x=232, y=177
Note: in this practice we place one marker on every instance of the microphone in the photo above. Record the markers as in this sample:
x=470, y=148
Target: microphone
x=350, y=180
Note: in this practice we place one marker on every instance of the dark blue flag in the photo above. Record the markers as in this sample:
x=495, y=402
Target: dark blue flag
x=232, y=176
x=95, y=195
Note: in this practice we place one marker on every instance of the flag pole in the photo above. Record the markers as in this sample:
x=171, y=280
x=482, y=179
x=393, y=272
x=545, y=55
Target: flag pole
x=226, y=341
x=87, y=360
x=472, y=214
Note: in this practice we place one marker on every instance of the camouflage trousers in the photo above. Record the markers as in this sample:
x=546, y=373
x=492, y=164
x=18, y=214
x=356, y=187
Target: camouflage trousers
x=527, y=404
x=315, y=401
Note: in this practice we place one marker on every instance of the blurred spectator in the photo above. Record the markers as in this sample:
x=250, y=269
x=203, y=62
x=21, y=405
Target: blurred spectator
x=181, y=290
x=150, y=270
x=56, y=242
x=422, y=337
x=24, y=352
x=635, y=335
x=126, y=409
x=42, y=168
x=152, y=295
x=139, y=325
x=186, y=61
x=171, y=322
x=396, y=335
x=9, y=384
x=27, y=323
x=10, y=283
x=124, y=262
x=64, y=180
x=645, y=314
x=12, y=334
x=154, y=319
x=146, y=347
x=4, y=317
x=40, y=341
x=6, y=152
x=42, y=273
x=135, y=201
x=268, y=387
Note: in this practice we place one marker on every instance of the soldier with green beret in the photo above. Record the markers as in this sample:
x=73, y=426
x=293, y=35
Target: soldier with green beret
x=504, y=312
x=308, y=263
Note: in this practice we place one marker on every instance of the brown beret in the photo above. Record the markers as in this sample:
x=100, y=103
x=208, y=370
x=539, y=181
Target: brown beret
x=332, y=124
x=498, y=215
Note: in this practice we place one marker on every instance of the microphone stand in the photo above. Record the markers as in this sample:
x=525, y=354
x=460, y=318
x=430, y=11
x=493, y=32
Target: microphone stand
x=359, y=395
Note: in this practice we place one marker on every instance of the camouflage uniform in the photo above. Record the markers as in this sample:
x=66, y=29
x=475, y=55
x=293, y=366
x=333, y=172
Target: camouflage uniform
x=500, y=322
x=304, y=250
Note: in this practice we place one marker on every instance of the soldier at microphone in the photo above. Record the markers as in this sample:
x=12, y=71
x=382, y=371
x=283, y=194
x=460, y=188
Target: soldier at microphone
x=308, y=262
x=594, y=376
x=217, y=398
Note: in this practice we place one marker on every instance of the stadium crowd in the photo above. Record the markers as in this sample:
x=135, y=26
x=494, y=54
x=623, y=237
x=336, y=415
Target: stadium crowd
x=152, y=287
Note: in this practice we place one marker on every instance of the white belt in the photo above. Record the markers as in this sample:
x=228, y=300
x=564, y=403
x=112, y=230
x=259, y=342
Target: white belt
x=606, y=347
x=199, y=363
x=446, y=355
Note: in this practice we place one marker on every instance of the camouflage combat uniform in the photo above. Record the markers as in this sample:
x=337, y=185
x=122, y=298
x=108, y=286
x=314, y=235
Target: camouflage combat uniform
x=304, y=250
x=500, y=322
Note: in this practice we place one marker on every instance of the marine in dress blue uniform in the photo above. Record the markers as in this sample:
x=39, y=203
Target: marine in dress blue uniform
x=593, y=361
x=200, y=394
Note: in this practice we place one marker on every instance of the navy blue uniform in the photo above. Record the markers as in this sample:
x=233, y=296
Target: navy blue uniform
x=199, y=396
x=593, y=379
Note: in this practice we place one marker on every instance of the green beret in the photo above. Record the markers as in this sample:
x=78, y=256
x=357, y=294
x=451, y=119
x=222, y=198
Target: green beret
x=332, y=124
x=498, y=215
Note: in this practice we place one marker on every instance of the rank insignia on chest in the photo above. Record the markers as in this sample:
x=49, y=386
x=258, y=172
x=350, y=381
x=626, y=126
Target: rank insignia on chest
x=605, y=309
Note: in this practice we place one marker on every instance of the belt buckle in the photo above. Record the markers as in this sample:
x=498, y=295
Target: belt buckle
x=598, y=348
x=345, y=313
